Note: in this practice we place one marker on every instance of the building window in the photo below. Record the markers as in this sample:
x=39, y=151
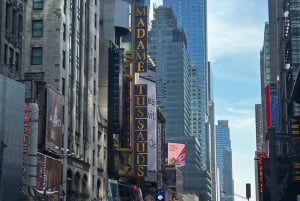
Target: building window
x=93, y=181
x=37, y=28
x=14, y=21
x=94, y=87
x=95, y=64
x=5, y=53
x=93, y=157
x=11, y=56
x=64, y=32
x=64, y=59
x=38, y=4
x=7, y=15
x=95, y=20
x=17, y=57
x=20, y=25
x=94, y=109
x=94, y=134
x=63, y=87
x=36, y=56
x=65, y=6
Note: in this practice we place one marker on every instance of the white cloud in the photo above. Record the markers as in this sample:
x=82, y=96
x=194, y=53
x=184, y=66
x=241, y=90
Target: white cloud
x=233, y=28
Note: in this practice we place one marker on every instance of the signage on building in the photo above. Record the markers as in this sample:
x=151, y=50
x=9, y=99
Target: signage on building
x=160, y=195
x=140, y=130
x=176, y=154
x=295, y=140
x=260, y=171
x=267, y=107
x=140, y=123
x=274, y=108
x=25, y=149
x=54, y=120
x=151, y=131
x=271, y=107
x=140, y=39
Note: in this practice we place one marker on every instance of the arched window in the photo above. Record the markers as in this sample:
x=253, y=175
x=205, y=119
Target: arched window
x=84, y=184
x=77, y=182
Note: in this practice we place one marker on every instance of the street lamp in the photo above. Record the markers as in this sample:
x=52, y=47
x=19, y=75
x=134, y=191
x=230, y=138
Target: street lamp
x=248, y=193
x=232, y=195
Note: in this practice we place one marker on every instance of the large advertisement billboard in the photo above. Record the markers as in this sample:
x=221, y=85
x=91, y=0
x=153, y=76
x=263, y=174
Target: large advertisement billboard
x=151, y=130
x=176, y=154
x=54, y=120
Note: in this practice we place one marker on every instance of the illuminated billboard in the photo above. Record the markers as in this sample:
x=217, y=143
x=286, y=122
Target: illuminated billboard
x=260, y=172
x=54, y=119
x=272, y=107
x=176, y=154
x=267, y=107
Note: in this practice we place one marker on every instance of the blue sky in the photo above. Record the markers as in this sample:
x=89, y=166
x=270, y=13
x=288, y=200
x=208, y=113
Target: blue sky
x=235, y=37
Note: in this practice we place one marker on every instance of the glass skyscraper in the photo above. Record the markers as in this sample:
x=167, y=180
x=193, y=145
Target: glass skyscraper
x=224, y=160
x=191, y=16
x=167, y=47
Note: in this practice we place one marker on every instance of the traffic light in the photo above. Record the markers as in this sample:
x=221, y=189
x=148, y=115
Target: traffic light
x=248, y=191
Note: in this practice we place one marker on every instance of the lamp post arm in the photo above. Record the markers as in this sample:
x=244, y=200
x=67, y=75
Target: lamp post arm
x=241, y=196
x=231, y=195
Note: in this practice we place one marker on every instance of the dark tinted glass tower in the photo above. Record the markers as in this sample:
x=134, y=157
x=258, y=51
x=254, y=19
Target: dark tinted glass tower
x=192, y=17
x=167, y=47
x=224, y=160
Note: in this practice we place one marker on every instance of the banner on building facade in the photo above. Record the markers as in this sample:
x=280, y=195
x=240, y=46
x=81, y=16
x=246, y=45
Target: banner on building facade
x=48, y=175
x=54, y=120
x=176, y=154
x=151, y=131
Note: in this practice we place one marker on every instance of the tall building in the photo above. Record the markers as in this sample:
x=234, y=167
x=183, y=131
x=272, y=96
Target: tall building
x=265, y=78
x=192, y=18
x=224, y=160
x=12, y=134
x=167, y=47
x=280, y=104
x=191, y=170
x=212, y=136
x=260, y=113
x=61, y=47
x=12, y=17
